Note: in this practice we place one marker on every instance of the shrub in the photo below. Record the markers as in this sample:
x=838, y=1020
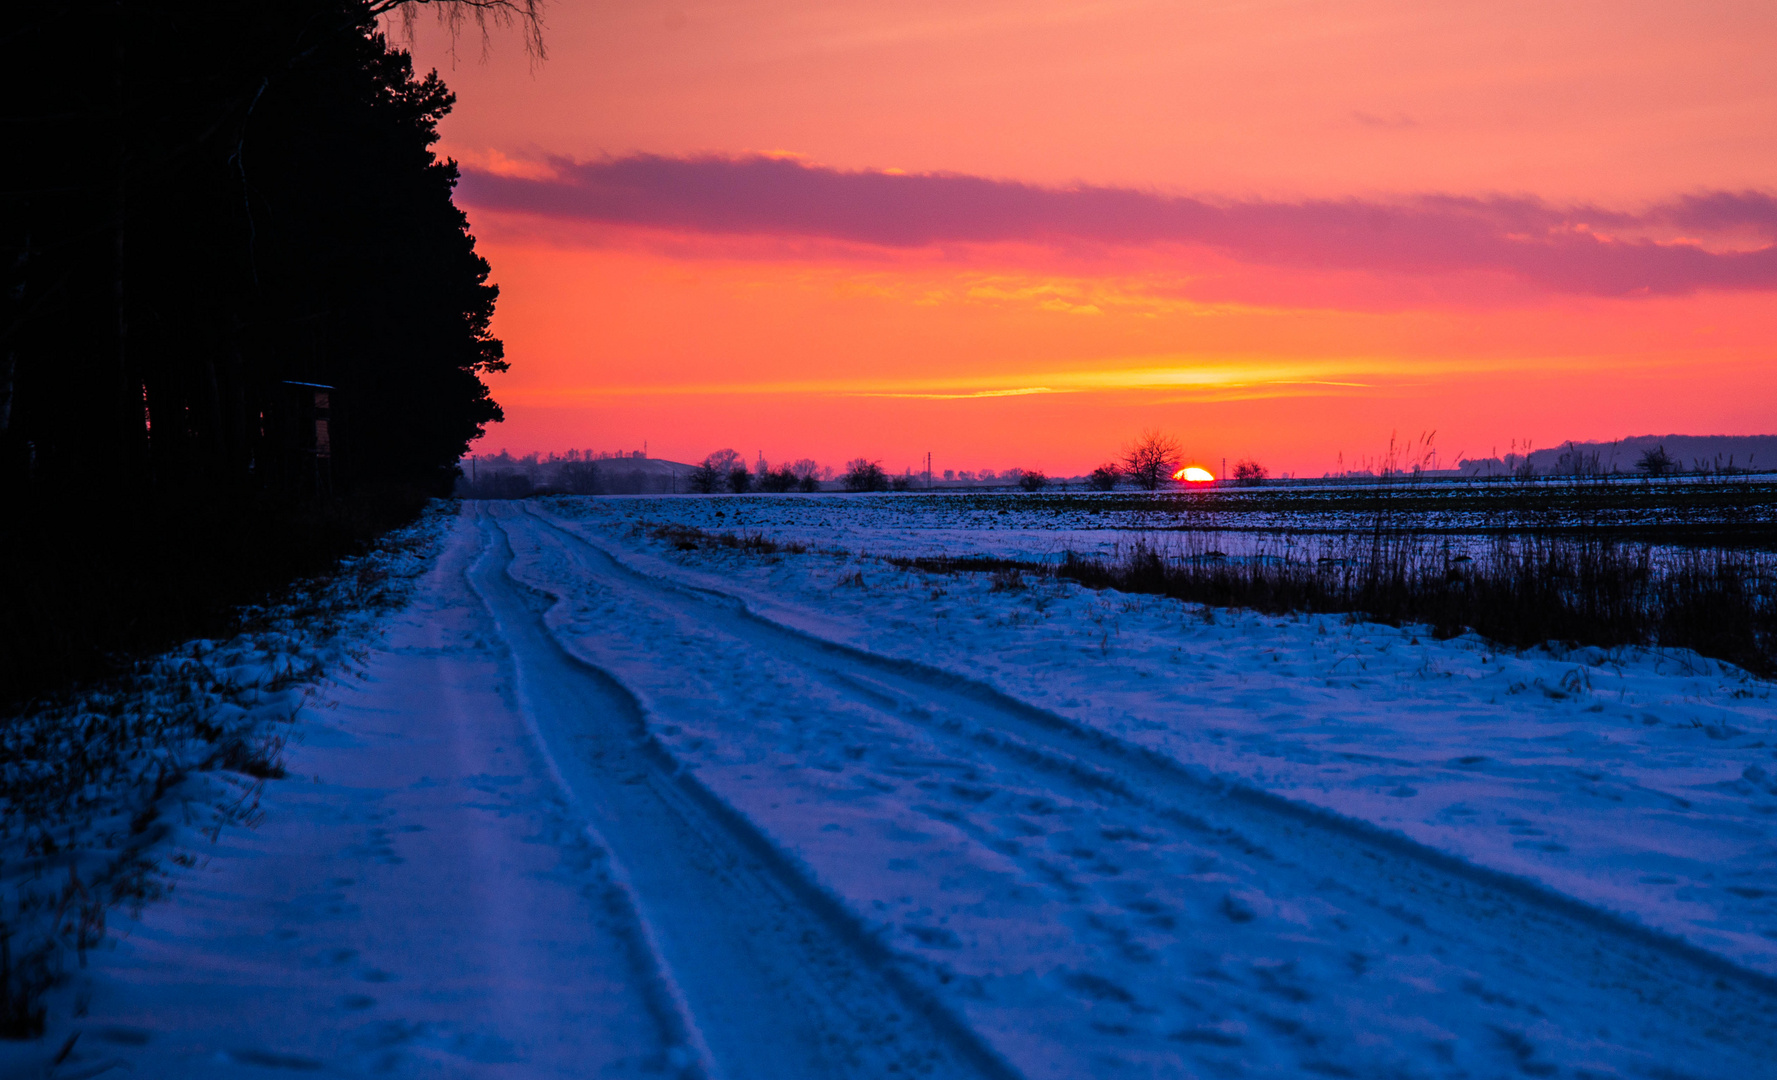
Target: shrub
x=779, y=479
x=1010, y=579
x=1105, y=477
x=705, y=480
x=1150, y=460
x=715, y=472
x=740, y=481
x=1249, y=473
x=862, y=474
x=1033, y=480
x=1657, y=462
x=901, y=483
x=808, y=483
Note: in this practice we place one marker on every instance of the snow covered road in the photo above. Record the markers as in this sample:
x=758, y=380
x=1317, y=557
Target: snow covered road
x=417, y=897
x=775, y=979
x=593, y=814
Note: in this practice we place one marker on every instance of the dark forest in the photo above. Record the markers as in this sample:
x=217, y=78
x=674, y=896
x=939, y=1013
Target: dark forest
x=242, y=324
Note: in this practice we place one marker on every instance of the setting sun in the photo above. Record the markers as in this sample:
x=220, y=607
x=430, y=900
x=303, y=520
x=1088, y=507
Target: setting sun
x=1193, y=475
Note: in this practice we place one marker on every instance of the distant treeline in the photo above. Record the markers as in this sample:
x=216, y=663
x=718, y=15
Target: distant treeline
x=502, y=476
x=242, y=324
x=724, y=472
x=1666, y=454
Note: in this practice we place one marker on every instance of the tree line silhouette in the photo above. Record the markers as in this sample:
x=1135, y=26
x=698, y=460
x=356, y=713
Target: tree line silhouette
x=243, y=327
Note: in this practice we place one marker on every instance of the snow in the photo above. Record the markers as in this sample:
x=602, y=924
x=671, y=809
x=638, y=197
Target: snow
x=1644, y=781
x=100, y=790
x=600, y=806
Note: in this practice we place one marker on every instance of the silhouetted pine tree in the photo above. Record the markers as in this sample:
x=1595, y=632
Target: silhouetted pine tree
x=205, y=202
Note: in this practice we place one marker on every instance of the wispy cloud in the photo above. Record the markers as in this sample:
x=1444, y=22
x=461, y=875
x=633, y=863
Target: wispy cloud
x=1020, y=391
x=1712, y=240
x=1397, y=122
x=1162, y=379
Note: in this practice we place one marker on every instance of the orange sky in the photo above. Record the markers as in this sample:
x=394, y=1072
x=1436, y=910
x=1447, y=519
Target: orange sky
x=1015, y=234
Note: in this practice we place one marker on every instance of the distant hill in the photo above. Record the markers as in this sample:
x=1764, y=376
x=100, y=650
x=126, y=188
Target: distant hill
x=1691, y=453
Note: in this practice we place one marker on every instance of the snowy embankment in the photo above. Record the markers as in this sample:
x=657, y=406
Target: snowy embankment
x=1640, y=781
x=109, y=795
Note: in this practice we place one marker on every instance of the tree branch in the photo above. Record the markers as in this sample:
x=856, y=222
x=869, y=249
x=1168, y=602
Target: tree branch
x=527, y=15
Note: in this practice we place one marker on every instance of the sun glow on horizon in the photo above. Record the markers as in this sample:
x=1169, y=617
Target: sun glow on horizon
x=1191, y=474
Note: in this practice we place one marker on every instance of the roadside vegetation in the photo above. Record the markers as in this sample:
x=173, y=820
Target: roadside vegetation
x=89, y=781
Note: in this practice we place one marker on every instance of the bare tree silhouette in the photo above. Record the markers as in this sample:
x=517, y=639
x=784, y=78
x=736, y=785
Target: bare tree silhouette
x=1151, y=459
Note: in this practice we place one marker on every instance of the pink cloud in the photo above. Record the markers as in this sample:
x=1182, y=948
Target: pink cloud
x=1708, y=241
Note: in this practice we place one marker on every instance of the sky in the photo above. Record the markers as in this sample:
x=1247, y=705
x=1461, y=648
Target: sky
x=1020, y=234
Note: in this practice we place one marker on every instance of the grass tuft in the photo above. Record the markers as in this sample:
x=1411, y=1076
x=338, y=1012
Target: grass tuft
x=690, y=538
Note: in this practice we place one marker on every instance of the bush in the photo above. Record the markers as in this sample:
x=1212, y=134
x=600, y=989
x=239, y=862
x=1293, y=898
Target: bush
x=706, y=479
x=1249, y=473
x=808, y=483
x=862, y=474
x=1010, y=579
x=777, y=480
x=1657, y=462
x=1105, y=477
x=740, y=481
x=1033, y=480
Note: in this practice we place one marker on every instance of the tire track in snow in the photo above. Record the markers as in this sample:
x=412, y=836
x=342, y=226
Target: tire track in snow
x=776, y=978
x=1632, y=971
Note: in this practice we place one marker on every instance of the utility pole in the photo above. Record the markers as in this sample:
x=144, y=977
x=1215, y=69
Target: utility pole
x=928, y=470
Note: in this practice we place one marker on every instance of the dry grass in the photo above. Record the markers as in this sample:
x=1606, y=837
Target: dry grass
x=689, y=538
x=1520, y=590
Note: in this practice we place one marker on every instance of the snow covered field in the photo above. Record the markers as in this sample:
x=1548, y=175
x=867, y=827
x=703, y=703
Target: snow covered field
x=606, y=806
x=1305, y=520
